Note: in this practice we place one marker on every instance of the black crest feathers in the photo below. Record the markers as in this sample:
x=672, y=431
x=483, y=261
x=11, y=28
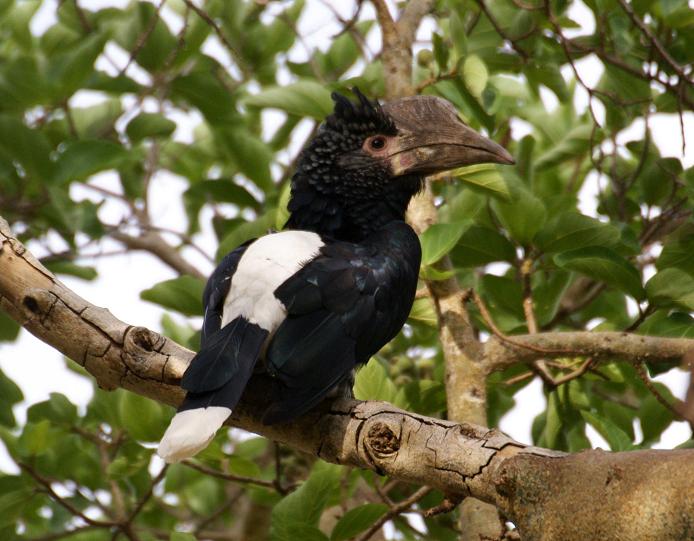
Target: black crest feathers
x=363, y=116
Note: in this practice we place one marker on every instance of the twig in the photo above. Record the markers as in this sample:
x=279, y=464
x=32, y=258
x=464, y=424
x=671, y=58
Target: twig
x=279, y=487
x=231, y=500
x=142, y=38
x=209, y=20
x=486, y=316
x=229, y=476
x=500, y=30
x=525, y=268
x=396, y=509
x=446, y=506
x=63, y=535
x=46, y=484
x=675, y=408
x=585, y=367
x=655, y=42
x=156, y=245
x=147, y=495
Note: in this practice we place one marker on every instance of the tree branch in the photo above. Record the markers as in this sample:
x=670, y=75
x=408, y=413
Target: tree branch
x=532, y=487
x=155, y=244
x=501, y=353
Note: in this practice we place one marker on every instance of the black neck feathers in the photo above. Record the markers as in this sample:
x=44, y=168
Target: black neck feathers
x=350, y=210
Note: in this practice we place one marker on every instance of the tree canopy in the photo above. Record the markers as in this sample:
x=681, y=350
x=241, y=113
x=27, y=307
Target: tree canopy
x=592, y=230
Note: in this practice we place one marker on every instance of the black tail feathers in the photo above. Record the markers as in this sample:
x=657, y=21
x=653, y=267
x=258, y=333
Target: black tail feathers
x=218, y=374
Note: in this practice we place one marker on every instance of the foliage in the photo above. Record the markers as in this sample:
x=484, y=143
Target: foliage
x=92, y=471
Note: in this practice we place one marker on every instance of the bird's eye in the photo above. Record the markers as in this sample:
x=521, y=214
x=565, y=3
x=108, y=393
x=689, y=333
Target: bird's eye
x=377, y=143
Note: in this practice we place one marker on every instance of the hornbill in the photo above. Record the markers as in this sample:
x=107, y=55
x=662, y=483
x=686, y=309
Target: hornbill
x=319, y=298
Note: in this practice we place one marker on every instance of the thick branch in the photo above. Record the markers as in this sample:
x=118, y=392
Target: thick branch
x=533, y=487
x=459, y=459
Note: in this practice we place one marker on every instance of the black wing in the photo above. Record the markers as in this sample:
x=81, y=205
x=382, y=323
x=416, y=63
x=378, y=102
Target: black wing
x=221, y=348
x=216, y=291
x=342, y=307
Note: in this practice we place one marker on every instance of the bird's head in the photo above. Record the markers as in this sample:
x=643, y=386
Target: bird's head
x=368, y=160
x=419, y=135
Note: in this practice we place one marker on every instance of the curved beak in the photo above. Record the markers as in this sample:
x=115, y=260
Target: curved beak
x=433, y=139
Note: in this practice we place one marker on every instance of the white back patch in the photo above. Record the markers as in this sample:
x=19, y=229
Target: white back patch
x=266, y=264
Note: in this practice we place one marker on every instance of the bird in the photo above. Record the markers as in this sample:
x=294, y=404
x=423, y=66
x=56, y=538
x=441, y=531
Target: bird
x=314, y=301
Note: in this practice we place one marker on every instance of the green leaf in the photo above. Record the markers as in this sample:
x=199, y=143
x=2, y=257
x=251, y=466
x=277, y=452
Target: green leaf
x=574, y=144
x=10, y=394
x=671, y=287
x=439, y=239
x=615, y=436
x=221, y=190
x=57, y=409
x=655, y=417
x=291, y=530
x=124, y=467
x=441, y=51
x=522, y=217
x=18, y=21
x=664, y=323
x=26, y=146
x=458, y=32
x=303, y=98
x=70, y=69
x=423, y=312
x=36, y=438
x=305, y=505
x=475, y=75
x=502, y=293
x=678, y=253
x=547, y=295
x=181, y=536
x=356, y=520
x=373, y=383
x=481, y=245
x=141, y=21
x=143, y=418
x=207, y=92
x=9, y=329
x=485, y=178
x=605, y=265
x=149, y=125
x=553, y=422
x=178, y=333
x=246, y=231
x=549, y=75
x=82, y=159
x=433, y=274
x=571, y=231
x=250, y=154
x=13, y=504
x=282, y=207
x=183, y=294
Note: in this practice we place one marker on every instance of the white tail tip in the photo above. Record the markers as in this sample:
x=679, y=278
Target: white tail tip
x=190, y=431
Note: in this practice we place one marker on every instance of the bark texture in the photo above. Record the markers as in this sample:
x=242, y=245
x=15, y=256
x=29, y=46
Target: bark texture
x=548, y=495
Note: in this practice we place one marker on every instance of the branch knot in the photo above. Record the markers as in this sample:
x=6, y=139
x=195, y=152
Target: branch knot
x=382, y=441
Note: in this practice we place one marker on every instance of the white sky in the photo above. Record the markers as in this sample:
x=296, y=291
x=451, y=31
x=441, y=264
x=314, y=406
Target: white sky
x=40, y=370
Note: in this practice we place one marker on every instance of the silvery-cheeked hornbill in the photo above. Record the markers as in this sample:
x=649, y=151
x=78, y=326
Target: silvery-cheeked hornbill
x=318, y=299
